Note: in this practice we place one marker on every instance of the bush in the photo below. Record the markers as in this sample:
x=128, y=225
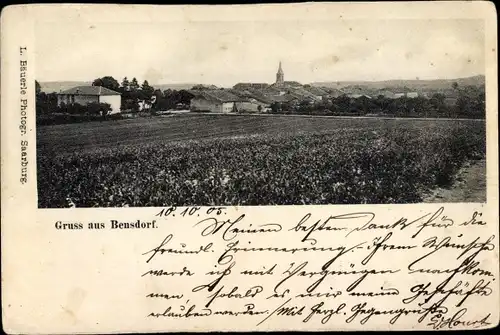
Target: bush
x=93, y=108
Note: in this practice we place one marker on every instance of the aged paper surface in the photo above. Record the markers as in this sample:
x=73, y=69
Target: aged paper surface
x=254, y=222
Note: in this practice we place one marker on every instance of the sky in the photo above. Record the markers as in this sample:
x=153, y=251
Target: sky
x=225, y=53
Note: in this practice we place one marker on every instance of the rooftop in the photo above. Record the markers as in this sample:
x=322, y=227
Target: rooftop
x=250, y=85
x=316, y=91
x=90, y=90
x=218, y=95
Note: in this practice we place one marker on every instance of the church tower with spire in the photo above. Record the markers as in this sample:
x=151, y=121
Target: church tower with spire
x=280, y=76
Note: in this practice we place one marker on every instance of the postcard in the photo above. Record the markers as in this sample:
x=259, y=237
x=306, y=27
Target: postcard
x=265, y=167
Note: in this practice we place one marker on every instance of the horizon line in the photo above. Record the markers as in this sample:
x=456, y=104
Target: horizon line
x=319, y=81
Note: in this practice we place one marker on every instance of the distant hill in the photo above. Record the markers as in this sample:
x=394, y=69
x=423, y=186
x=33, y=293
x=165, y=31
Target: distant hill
x=345, y=86
x=57, y=86
x=418, y=85
x=177, y=87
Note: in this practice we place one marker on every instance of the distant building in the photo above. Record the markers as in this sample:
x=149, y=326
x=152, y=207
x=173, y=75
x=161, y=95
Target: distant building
x=292, y=84
x=407, y=94
x=250, y=86
x=223, y=101
x=280, y=87
x=215, y=101
x=317, y=92
x=253, y=106
x=303, y=93
x=287, y=98
x=357, y=96
x=412, y=95
x=85, y=95
x=204, y=87
x=386, y=94
x=144, y=105
x=335, y=93
x=280, y=76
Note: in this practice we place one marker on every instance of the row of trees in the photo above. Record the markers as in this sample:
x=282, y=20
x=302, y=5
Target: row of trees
x=132, y=92
x=469, y=103
x=135, y=97
x=45, y=102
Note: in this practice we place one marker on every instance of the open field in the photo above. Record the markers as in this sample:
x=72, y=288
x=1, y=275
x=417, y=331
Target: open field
x=469, y=185
x=251, y=160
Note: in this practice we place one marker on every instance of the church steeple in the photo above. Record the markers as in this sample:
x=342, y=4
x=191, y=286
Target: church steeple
x=280, y=76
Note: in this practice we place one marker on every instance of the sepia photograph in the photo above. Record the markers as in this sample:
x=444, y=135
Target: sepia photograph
x=247, y=113
x=228, y=168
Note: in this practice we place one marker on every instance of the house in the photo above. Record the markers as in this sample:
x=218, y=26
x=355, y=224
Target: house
x=407, y=95
x=252, y=106
x=386, y=94
x=302, y=93
x=357, y=96
x=317, y=92
x=85, y=95
x=215, y=101
x=335, y=93
x=292, y=84
x=250, y=86
x=204, y=87
x=287, y=98
x=144, y=105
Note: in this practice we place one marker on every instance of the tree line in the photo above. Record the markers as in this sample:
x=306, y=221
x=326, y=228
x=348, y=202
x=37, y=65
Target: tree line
x=151, y=99
x=134, y=97
x=469, y=102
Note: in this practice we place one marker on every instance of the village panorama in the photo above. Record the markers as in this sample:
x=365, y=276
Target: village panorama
x=106, y=143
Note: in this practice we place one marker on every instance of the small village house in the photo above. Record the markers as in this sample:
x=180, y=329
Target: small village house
x=407, y=95
x=222, y=101
x=357, y=96
x=253, y=106
x=246, y=86
x=215, y=101
x=144, y=105
x=85, y=95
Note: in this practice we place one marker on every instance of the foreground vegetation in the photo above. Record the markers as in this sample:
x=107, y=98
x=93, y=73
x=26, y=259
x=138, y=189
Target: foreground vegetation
x=253, y=161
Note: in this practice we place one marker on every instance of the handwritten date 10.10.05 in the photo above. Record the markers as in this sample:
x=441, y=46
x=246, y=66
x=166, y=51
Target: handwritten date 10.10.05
x=189, y=211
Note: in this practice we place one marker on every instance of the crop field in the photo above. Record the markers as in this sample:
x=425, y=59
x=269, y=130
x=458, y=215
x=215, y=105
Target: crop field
x=251, y=160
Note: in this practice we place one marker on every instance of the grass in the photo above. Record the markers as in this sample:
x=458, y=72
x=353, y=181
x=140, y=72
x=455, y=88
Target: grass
x=67, y=138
